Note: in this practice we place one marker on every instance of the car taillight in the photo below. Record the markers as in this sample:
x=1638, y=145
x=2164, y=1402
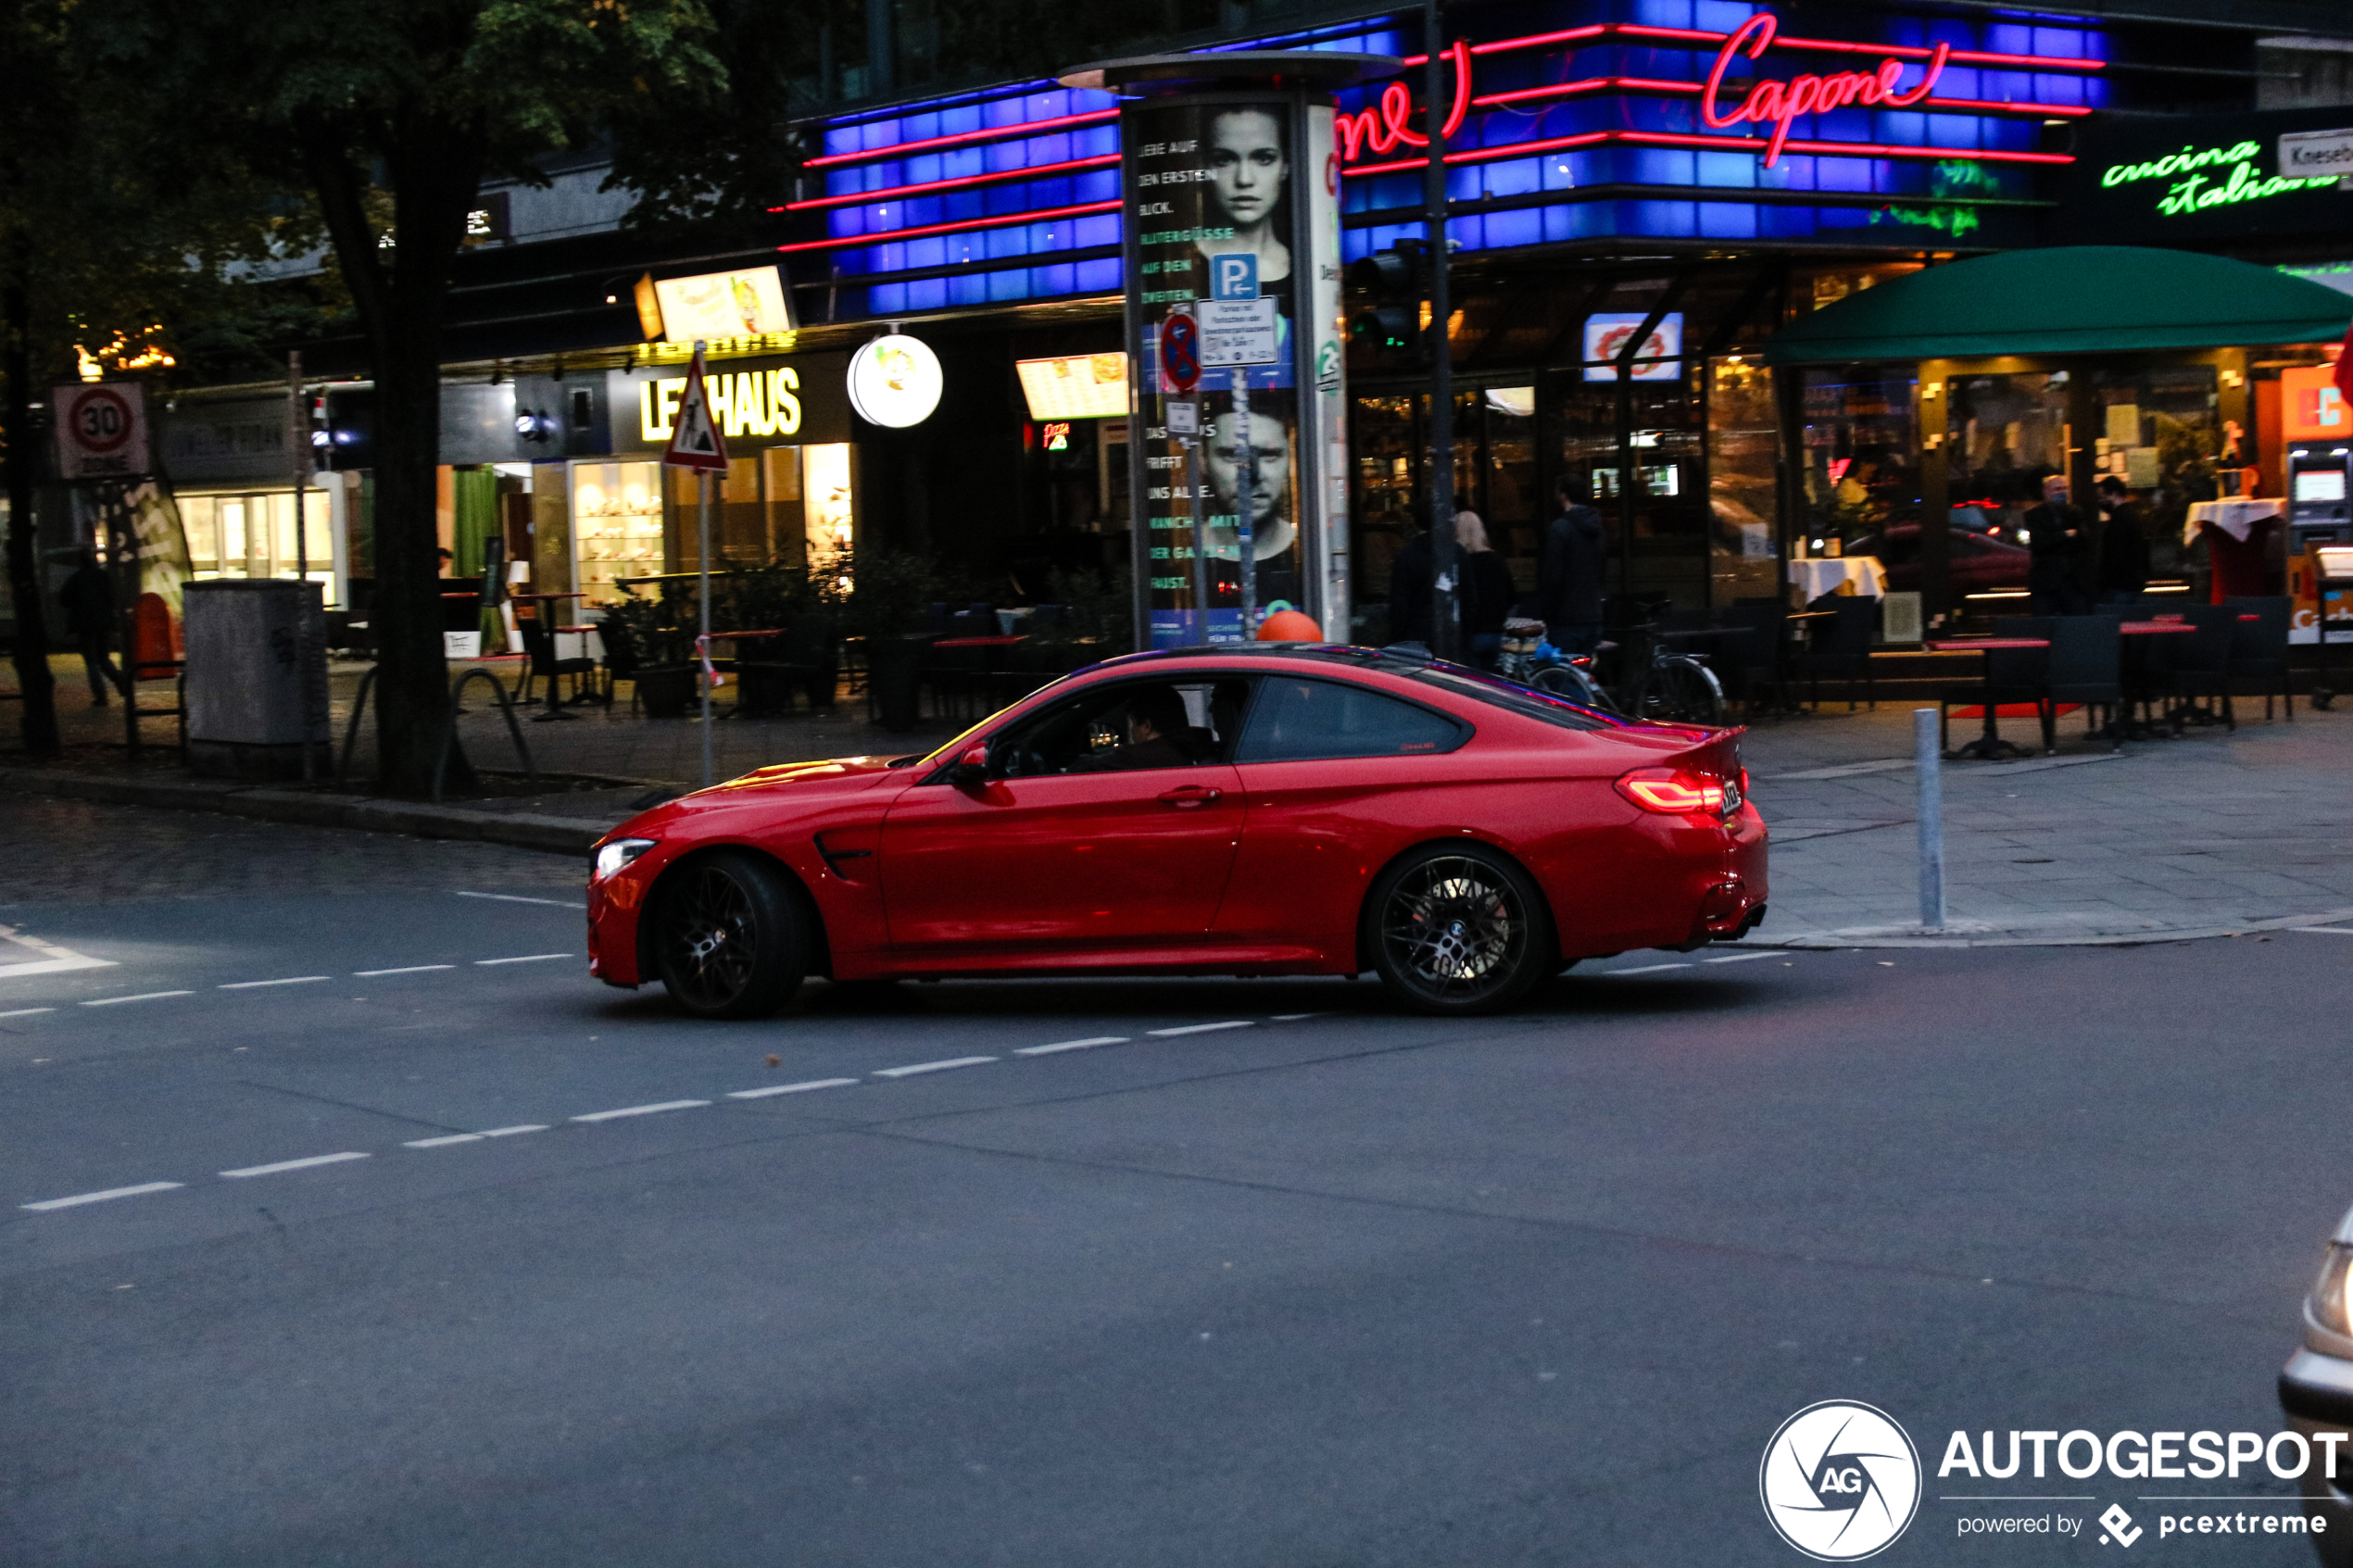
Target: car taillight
x=1675, y=792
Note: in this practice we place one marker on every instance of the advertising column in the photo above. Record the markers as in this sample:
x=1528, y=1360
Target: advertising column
x=1232, y=246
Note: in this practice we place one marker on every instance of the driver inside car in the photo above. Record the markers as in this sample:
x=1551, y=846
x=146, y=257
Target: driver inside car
x=1156, y=726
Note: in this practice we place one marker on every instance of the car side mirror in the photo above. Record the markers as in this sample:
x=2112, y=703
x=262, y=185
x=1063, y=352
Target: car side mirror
x=970, y=769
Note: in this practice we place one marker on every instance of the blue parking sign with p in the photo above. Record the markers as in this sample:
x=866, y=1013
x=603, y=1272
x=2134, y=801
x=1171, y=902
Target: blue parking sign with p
x=1233, y=276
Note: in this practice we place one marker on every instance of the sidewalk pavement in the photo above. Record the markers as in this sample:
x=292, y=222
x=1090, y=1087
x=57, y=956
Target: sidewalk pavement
x=2213, y=834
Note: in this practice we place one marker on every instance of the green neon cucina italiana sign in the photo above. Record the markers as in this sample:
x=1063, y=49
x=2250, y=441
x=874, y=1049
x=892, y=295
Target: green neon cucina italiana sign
x=2195, y=180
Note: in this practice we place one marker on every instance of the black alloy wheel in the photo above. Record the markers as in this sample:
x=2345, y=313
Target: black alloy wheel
x=1460, y=931
x=731, y=939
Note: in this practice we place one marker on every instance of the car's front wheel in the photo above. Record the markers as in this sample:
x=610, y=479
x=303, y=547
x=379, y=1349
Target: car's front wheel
x=729, y=937
x=1459, y=929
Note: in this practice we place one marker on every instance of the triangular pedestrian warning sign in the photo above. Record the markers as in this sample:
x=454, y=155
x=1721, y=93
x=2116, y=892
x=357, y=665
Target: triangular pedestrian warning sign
x=695, y=441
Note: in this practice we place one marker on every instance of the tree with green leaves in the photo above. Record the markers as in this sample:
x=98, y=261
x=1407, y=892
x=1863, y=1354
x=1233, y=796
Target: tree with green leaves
x=404, y=107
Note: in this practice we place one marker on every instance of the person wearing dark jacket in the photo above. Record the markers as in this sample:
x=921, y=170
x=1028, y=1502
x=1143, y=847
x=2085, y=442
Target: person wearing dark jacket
x=88, y=598
x=1487, y=593
x=1569, y=575
x=2054, y=536
x=2124, y=545
x=1412, y=585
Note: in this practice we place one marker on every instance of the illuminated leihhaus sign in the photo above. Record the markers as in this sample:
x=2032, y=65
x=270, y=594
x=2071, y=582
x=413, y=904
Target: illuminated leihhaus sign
x=755, y=403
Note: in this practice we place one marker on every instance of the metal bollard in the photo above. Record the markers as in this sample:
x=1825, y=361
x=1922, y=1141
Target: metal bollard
x=1929, y=762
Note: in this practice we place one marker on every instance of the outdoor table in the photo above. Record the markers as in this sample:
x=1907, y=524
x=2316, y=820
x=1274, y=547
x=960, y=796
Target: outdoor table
x=1989, y=747
x=2135, y=729
x=1825, y=574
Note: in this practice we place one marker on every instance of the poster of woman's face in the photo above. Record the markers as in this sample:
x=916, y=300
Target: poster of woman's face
x=1248, y=170
x=1271, y=529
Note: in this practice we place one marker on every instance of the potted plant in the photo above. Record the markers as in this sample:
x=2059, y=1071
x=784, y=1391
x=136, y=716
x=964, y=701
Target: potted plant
x=660, y=650
x=888, y=592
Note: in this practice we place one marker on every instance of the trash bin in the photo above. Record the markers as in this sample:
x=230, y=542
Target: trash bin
x=257, y=676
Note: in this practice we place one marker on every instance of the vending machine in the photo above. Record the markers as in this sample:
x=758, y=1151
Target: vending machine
x=2316, y=425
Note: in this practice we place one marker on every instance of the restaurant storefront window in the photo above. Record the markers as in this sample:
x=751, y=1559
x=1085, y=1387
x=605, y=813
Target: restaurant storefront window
x=1743, y=466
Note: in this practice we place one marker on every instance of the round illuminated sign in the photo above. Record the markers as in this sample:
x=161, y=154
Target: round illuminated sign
x=895, y=381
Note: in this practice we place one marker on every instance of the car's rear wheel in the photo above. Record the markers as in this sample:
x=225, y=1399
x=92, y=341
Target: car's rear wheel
x=1459, y=929
x=731, y=938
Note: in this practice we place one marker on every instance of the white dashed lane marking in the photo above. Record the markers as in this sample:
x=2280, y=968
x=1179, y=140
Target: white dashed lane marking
x=909, y=1071
x=1647, y=969
x=295, y=1164
x=257, y=984
x=527, y=958
x=793, y=1088
x=642, y=1109
x=82, y=1198
x=1740, y=958
x=519, y=899
x=142, y=996
x=25, y=1012
x=1073, y=1044
x=450, y=1140
x=412, y=969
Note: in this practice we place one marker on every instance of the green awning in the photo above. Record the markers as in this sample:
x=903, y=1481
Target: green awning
x=2070, y=299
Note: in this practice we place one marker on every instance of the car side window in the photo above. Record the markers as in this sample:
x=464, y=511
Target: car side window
x=1127, y=726
x=1299, y=720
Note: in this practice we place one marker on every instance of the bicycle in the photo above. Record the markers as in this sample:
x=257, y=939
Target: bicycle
x=1671, y=687
x=1676, y=688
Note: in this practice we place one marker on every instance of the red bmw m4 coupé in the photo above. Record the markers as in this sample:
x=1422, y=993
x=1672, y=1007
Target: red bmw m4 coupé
x=1246, y=810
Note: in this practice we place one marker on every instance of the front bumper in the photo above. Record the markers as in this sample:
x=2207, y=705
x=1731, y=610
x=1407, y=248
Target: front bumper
x=2316, y=1393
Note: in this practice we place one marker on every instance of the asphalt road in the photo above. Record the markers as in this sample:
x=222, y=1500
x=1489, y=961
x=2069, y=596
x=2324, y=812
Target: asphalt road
x=468, y=1260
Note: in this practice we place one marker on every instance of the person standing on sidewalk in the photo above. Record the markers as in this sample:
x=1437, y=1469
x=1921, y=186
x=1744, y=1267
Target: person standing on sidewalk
x=2054, y=536
x=2124, y=545
x=1487, y=591
x=88, y=598
x=1568, y=593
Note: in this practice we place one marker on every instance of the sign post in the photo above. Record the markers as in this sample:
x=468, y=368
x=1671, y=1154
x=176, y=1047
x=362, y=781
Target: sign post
x=1230, y=191
x=696, y=444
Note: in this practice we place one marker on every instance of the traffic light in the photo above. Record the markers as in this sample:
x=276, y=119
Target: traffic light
x=1397, y=280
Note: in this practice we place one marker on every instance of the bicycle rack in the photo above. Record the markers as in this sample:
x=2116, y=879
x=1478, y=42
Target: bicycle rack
x=448, y=736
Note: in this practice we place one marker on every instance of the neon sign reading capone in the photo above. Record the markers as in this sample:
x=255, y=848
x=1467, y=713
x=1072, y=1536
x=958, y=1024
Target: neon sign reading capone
x=2197, y=191
x=1386, y=131
x=1777, y=102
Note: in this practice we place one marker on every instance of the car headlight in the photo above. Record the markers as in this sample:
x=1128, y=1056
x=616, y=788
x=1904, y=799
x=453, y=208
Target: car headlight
x=614, y=855
x=2327, y=1301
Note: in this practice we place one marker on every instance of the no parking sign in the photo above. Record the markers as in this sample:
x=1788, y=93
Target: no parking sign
x=102, y=431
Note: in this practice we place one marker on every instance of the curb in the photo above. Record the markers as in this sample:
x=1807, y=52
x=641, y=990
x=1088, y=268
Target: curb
x=522, y=830
x=1833, y=941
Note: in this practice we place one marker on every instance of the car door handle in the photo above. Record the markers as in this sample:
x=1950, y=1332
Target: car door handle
x=1187, y=796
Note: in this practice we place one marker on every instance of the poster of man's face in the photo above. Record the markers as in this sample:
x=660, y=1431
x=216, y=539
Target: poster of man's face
x=1270, y=511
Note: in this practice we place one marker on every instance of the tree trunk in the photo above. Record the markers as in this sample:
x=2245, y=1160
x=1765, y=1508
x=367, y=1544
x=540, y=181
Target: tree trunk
x=434, y=170
x=40, y=715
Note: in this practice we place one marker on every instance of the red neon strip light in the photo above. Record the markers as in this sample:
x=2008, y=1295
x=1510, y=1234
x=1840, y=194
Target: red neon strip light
x=1003, y=221
x=957, y=184
x=1642, y=84
x=1724, y=143
x=1507, y=45
x=993, y=133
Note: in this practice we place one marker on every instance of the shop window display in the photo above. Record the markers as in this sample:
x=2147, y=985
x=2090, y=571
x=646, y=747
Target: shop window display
x=1743, y=460
x=1861, y=468
x=1656, y=505
x=616, y=520
x=2161, y=432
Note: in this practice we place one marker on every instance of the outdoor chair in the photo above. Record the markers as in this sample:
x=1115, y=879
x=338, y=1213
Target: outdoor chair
x=2197, y=664
x=1749, y=664
x=621, y=662
x=539, y=646
x=2012, y=676
x=1842, y=647
x=2086, y=666
x=2258, y=650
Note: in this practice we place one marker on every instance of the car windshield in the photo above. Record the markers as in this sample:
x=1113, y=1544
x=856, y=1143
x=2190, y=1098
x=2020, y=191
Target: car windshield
x=1496, y=692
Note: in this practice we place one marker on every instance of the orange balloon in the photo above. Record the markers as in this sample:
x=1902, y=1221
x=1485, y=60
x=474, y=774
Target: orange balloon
x=1290, y=626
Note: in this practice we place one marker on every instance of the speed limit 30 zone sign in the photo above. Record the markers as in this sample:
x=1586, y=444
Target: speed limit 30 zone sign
x=102, y=431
